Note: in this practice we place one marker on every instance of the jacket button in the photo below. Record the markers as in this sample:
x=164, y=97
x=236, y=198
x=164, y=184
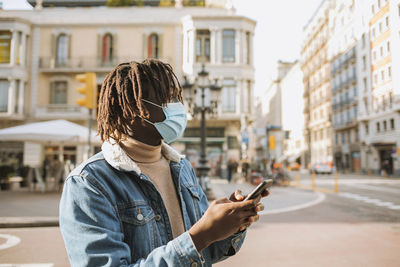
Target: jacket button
x=158, y=217
x=139, y=217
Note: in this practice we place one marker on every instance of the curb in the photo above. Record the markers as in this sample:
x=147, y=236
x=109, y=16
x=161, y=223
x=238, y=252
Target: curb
x=21, y=222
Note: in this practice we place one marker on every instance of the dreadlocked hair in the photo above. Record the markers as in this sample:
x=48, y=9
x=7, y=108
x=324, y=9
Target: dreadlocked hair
x=124, y=88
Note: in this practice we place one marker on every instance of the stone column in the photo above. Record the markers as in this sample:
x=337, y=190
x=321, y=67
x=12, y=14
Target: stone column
x=218, y=46
x=238, y=47
x=13, y=49
x=21, y=97
x=213, y=45
x=11, y=96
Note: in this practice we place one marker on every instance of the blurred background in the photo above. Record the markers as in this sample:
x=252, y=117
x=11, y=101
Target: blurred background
x=303, y=92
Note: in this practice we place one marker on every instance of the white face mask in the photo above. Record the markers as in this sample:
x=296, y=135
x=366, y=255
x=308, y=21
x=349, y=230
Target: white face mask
x=175, y=121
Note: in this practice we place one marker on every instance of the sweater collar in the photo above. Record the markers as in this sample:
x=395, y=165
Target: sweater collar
x=119, y=159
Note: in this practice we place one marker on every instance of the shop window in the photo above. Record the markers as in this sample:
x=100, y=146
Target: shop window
x=233, y=142
x=5, y=46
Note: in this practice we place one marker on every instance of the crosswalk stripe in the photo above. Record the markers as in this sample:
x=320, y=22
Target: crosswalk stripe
x=376, y=202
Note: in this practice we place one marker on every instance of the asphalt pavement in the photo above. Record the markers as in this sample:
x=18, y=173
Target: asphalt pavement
x=22, y=208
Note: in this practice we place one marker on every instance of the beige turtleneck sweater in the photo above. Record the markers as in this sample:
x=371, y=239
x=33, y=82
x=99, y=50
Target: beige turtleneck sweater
x=155, y=166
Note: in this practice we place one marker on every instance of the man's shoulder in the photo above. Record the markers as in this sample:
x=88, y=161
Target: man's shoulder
x=93, y=161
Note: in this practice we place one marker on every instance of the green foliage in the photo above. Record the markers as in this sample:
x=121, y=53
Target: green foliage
x=119, y=3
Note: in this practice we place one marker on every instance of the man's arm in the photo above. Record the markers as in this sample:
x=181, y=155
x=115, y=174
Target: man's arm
x=93, y=233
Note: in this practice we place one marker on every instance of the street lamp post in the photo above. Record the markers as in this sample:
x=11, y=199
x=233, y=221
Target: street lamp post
x=202, y=83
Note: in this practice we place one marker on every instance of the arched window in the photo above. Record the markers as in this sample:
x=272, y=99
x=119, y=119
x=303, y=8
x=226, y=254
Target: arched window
x=62, y=50
x=107, y=48
x=152, y=46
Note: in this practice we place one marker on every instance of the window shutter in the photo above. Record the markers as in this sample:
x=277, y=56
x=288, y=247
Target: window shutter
x=160, y=46
x=99, y=49
x=114, y=46
x=51, y=93
x=145, y=54
x=53, y=50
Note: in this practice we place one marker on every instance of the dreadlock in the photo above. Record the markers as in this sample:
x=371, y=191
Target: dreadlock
x=124, y=88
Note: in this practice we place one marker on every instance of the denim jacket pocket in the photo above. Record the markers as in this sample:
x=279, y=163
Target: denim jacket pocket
x=191, y=192
x=140, y=229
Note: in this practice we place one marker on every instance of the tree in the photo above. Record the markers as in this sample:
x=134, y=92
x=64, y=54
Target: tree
x=119, y=3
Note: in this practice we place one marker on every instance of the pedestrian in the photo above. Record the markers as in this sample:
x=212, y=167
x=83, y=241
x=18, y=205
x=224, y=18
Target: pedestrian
x=138, y=201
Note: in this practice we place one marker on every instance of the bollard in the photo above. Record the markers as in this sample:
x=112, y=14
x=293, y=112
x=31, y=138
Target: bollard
x=298, y=178
x=336, y=182
x=313, y=181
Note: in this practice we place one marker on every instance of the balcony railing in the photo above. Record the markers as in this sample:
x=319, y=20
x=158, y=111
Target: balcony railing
x=85, y=63
x=61, y=111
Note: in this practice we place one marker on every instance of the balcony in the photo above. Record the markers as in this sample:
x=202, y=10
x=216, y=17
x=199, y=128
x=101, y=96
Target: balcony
x=84, y=64
x=61, y=111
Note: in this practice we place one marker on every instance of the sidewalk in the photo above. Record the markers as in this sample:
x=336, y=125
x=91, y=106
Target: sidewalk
x=22, y=208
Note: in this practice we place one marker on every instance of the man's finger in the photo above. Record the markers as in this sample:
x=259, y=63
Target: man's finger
x=243, y=205
x=265, y=193
x=259, y=207
x=238, y=195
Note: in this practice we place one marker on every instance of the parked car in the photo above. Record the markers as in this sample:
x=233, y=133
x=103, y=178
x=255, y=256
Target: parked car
x=323, y=168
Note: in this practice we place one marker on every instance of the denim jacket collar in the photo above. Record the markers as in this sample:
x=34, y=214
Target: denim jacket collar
x=117, y=157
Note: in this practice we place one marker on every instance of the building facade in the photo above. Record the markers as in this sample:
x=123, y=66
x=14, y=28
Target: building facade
x=383, y=122
x=44, y=48
x=346, y=68
x=317, y=94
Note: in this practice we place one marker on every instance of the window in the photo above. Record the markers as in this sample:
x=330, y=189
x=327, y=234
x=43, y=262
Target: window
x=337, y=139
x=388, y=47
x=384, y=125
x=392, y=124
x=383, y=75
x=380, y=27
x=107, y=48
x=5, y=46
x=62, y=50
x=374, y=55
x=363, y=40
x=373, y=32
x=364, y=62
x=373, y=9
x=203, y=46
x=375, y=78
x=390, y=99
x=58, y=92
x=229, y=95
x=16, y=96
x=228, y=46
x=343, y=138
x=366, y=128
x=4, y=89
x=379, y=3
x=153, y=46
x=365, y=84
x=387, y=21
x=381, y=51
x=357, y=135
x=390, y=72
x=378, y=127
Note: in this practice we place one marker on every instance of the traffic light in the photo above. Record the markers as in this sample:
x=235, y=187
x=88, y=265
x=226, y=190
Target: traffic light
x=271, y=142
x=89, y=90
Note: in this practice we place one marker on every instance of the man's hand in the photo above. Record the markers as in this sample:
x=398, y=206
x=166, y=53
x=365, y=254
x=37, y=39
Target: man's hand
x=225, y=217
x=222, y=219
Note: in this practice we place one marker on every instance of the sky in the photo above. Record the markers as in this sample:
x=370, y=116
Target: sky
x=278, y=34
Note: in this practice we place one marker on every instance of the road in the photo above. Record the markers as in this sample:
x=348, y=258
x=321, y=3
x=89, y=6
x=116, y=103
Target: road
x=358, y=226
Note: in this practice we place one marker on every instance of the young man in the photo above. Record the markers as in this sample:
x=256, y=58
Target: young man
x=138, y=202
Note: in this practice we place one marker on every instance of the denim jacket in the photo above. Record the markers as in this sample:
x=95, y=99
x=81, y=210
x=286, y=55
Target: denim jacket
x=112, y=215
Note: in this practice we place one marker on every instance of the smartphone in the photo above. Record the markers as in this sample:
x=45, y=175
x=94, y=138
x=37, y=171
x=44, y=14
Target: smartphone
x=259, y=189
